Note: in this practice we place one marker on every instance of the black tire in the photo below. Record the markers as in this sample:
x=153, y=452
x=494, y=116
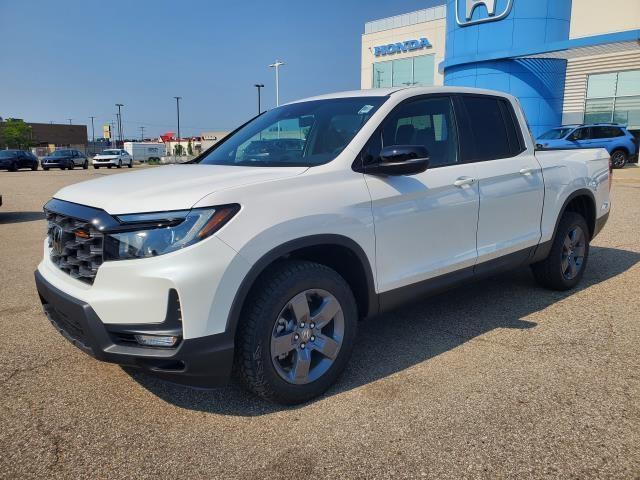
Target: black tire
x=130, y=164
x=119, y=163
x=109, y=166
x=34, y=167
x=619, y=158
x=85, y=165
x=550, y=272
x=96, y=167
x=271, y=294
x=13, y=167
x=46, y=169
x=71, y=166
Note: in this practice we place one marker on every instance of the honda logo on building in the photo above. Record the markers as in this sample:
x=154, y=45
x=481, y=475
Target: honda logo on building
x=485, y=10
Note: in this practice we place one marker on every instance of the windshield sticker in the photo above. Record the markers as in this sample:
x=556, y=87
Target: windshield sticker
x=366, y=109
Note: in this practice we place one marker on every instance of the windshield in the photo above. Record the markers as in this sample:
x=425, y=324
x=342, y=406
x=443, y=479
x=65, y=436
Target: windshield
x=7, y=153
x=300, y=134
x=555, y=134
x=61, y=153
x=110, y=152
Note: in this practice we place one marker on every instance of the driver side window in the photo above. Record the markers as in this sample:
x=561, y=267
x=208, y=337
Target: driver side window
x=579, y=134
x=427, y=122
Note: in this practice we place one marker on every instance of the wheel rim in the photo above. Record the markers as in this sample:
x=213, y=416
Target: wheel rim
x=618, y=159
x=307, y=336
x=573, y=251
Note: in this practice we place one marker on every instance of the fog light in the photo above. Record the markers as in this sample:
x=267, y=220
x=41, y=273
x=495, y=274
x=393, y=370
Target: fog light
x=157, y=340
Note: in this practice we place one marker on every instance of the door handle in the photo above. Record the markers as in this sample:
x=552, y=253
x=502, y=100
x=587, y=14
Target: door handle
x=527, y=171
x=462, y=181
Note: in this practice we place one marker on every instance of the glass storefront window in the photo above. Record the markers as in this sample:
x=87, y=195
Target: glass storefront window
x=603, y=85
x=614, y=97
x=404, y=72
x=423, y=69
x=382, y=74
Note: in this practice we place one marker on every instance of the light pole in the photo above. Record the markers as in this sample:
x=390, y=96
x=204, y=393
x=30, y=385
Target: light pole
x=178, y=110
x=111, y=134
x=120, y=135
x=93, y=136
x=142, y=134
x=69, y=120
x=259, y=86
x=277, y=66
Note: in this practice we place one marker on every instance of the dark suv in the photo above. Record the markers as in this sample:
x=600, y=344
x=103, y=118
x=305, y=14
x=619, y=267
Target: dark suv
x=66, y=158
x=13, y=160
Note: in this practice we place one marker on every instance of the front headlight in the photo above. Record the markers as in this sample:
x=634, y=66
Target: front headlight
x=151, y=234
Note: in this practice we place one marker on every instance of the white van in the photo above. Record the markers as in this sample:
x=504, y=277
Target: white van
x=145, y=151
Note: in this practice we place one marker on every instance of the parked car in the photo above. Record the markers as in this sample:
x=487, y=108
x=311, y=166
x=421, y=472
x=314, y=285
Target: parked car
x=114, y=157
x=269, y=262
x=14, y=160
x=621, y=145
x=67, y=158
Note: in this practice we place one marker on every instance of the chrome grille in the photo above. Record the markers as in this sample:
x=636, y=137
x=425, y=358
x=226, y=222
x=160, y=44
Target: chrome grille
x=74, y=254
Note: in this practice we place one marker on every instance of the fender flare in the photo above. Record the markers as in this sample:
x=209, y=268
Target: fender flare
x=544, y=248
x=303, y=242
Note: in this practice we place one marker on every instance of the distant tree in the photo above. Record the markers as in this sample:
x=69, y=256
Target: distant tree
x=178, y=150
x=189, y=148
x=15, y=134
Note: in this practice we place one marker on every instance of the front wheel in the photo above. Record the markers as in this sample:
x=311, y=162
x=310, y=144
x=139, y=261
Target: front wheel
x=46, y=169
x=564, y=267
x=71, y=166
x=109, y=166
x=119, y=163
x=34, y=167
x=130, y=164
x=96, y=167
x=618, y=159
x=13, y=167
x=297, y=332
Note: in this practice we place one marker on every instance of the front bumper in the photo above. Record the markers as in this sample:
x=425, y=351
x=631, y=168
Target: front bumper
x=202, y=362
x=105, y=162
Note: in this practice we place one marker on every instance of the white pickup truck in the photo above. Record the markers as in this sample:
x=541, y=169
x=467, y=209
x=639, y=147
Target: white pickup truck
x=265, y=251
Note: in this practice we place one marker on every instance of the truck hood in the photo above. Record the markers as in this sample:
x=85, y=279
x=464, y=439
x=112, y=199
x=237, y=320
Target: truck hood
x=174, y=187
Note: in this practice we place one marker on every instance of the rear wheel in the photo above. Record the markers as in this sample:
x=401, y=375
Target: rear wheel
x=564, y=267
x=119, y=163
x=297, y=332
x=109, y=166
x=34, y=167
x=96, y=167
x=46, y=169
x=71, y=166
x=131, y=163
x=619, y=158
x=85, y=165
x=13, y=167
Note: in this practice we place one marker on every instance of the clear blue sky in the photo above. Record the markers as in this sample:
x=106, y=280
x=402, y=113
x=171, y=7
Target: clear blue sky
x=66, y=59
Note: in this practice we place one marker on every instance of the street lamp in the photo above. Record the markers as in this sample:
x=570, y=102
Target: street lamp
x=93, y=136
x=259, y=86
x=120, y=134
x=178, y=110
x=277, y=66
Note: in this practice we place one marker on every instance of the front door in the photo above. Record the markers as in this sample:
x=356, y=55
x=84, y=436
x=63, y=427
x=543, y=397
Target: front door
x=425, y=224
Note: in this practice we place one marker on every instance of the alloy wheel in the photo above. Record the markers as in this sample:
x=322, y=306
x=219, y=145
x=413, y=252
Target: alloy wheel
x=573, y=250
x=307, y=336
x=618, y=159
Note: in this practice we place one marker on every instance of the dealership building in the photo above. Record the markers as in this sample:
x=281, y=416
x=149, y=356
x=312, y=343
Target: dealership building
x=567, y=61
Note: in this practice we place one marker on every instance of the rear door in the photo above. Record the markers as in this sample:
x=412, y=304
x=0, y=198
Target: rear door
x=425, y=224
x=511, y=185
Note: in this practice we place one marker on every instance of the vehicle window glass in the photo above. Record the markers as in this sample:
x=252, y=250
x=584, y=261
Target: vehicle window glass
x=579, y=134
x=427, y=122
x=603, y=132
x=488, y=129
x=299, y=134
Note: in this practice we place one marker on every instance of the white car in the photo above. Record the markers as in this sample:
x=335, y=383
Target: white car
x=114, y=157
x=266, y=252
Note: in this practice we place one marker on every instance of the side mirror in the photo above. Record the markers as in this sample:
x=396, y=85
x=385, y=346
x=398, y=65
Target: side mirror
x=400, y=160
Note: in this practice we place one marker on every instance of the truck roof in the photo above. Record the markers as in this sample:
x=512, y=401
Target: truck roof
x=385, y=92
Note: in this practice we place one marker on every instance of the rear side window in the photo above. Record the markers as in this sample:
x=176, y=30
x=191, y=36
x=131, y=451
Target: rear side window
x=606, y=132
x=491, y=130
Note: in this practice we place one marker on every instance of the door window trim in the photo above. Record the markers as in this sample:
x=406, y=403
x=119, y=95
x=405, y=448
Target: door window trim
x=358, y=163
x=503, y=102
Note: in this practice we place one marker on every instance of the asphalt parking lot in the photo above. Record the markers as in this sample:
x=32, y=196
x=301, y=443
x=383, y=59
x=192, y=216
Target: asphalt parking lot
x=498, y=379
